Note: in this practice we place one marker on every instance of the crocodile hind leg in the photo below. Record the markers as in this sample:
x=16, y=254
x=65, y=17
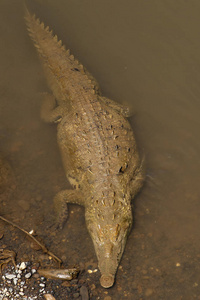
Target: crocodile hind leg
x=138, y=180
x=60, y=203
x=49, y=112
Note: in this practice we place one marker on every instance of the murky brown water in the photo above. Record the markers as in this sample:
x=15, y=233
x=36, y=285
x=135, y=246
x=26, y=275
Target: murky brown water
x=148, y=54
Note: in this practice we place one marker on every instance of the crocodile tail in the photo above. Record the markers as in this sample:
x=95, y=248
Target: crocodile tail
x=40, y=34
x=49, y=45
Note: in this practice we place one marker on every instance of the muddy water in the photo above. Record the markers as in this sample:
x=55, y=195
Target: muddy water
x=146, y=53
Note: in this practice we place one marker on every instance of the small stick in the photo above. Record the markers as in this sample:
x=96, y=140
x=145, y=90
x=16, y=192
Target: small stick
x=45, y=250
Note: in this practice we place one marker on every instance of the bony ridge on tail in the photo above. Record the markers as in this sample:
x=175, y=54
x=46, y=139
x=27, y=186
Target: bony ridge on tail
x=97, y=146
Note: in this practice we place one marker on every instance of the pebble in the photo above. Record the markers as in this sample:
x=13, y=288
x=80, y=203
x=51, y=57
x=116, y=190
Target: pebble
x=25, y=205
x=76, y=295
x=134, y=285
x=10, y=276
x=42, y=278
x=93, y=287
x=74, y=281
x=84, y=292
x=22, y=266
x=21, y=293
x=28, y=275
x=49, y=297
x=16, y=281
x=36, y=276
x=42, y=284
x=148, y=292
x=35, y=246
x=139, y=288
x=107, y=298
x=38, y=198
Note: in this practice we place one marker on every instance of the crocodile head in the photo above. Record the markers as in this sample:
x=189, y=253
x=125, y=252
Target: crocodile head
x=109, y=233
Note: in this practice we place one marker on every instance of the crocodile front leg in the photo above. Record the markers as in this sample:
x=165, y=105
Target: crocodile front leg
x=49, y=112
x=126, y=111
x=60, y=203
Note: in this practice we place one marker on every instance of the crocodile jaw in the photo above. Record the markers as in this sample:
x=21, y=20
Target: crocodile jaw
x=108, y=261
x=109, y=239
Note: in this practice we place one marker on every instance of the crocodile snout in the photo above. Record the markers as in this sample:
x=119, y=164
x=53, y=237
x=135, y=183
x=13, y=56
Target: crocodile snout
x=107, y=280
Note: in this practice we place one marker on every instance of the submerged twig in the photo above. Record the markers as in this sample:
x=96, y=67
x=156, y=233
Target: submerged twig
x=63, y=274
x=44, y=249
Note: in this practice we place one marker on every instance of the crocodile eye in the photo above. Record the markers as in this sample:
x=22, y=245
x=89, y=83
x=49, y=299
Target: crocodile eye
x=75, y=69
x=100, y=235
x=126, y=227
x=115, y=233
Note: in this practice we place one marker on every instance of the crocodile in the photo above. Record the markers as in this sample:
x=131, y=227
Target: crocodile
x=98, y=149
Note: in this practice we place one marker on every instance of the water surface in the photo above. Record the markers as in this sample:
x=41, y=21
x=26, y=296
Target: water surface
x=146, y=53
